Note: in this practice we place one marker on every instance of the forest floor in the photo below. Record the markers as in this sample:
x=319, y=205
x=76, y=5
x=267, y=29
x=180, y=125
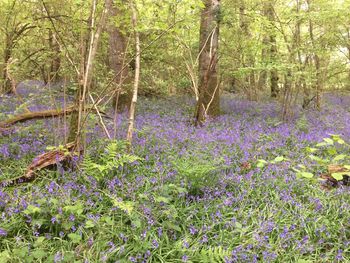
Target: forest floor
x=231, y=191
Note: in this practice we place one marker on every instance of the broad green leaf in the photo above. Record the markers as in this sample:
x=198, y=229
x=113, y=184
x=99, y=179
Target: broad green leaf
x=75, y=238
x=261, y=163
x=329, y=141
x=162, y=199
x=278, y=159
x=339, y=157
x=337, y=138
x=39, y=241
x=304, y=261
x=32, y=210
x=339, y=176
x=126, y=206
x=108, y=220
x=341, y=141
x=321, y=144
x=39, y=254
x=311, y=150
x=5, y=256
x=171, y=225
x=77, y=209
x=20, y=252
x=89, y=224
x=347, y=167
x=306, y=174
x=332, y=151
x=317, y=159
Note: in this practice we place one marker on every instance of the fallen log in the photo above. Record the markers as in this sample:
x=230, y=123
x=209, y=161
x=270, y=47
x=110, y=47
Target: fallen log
x=40, y=115
x=43, y=161
x=36, y=115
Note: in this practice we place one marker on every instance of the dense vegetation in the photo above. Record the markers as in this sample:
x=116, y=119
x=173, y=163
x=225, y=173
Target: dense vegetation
x=238, y=149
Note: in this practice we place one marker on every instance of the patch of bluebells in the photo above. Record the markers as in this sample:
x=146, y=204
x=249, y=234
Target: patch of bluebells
x=245, y=215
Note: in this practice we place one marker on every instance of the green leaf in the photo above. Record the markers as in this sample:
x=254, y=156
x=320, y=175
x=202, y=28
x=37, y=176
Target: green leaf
x=136, y=221
x=75, y=238
x=339, y=176
x=39, y=241
x=89, y=224
x=278, y=159
x=341, y=141
x=77, y=209
x=329, y=141
x=126, y=206
x=39, y=254
x=347, y=167
x=5, y=256
x=306, y=174
x=311, y=150
x=261, y=163
x=109, y=220
x=163, y=199
x=339, y=157
x=171, y=225
x=321, y=144
x=332, y=151
x=337, y=138
x=304, y=261
x=32, y=210
x=20, y=252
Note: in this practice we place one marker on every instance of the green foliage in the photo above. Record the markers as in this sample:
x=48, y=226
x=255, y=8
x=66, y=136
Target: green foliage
x=197, y=173
x=108, y=163
x=331, y=151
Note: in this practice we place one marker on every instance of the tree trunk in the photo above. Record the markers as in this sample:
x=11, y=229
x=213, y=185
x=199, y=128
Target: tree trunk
x=6, y=85
x=209, y=97
x=248, y=59
x=317, y=63
x=137, y=77
x=55, y=59
x=78, y=121
x=117, y=59
x=270, y=49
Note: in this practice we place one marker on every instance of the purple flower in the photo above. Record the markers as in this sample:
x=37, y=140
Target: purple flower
x=155, y=243
x=3, y=232
x=160, y=232
x=58, y=257
x=193, y=230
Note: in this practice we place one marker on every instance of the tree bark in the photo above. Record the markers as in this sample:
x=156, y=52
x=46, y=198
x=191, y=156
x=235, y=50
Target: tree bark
x=6, y=85
x=137, y=77
x=269, y=53
x=317, y=63
x=248, y=59
x=209, y=97
x=55, y=59
x=117, y=59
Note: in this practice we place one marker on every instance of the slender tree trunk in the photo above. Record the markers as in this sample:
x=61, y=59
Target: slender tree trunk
x=269, y=52
x=348, y=47
x=78, y=121
x=209, y=98
x=55, y=59
x=6, y=85
x=137, y=77
x=317, y=63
